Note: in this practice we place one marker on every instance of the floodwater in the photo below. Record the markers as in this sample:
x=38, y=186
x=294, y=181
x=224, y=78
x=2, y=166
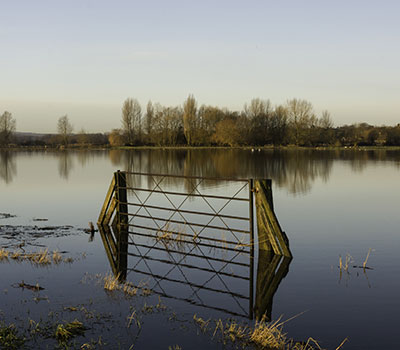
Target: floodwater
x=330, y=204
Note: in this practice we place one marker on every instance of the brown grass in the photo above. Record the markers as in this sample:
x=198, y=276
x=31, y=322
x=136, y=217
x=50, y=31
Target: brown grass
x=112, y=283
x=263, y=335
x=40, y=258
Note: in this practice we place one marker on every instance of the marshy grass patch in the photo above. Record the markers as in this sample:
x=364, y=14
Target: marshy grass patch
x=263, y=335
x=66, y=331
x=41, y=258
x=10, y=338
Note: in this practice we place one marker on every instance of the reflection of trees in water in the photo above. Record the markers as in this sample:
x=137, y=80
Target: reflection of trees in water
x=83, y=157
x=295, y=170
x=8, y=168
x=65, y=164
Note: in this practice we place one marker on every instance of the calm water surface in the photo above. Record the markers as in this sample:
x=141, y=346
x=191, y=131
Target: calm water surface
x=329, y=203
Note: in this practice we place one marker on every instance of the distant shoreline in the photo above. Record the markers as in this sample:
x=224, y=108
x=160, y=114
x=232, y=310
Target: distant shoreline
x=254, y=148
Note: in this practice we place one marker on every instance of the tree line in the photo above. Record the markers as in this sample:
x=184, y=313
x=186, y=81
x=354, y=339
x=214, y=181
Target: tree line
x=259, y=123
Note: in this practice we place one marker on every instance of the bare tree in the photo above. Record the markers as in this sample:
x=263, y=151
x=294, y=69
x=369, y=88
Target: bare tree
x=149, y=118
x=132, y=120
x=64, y=129
x=325, y=121
x=258, y=113
x=7, y=128
x=300, y=113
x=189, y=118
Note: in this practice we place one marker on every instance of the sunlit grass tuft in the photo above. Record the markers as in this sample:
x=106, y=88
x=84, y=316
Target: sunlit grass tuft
x=40, y=258
x=64, y=332
x=3, y=254
x=263, y=335
x=111, y=282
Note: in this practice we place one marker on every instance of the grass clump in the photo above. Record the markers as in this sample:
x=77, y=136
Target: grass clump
x=112, y=283
x=65, y=332
x=263, y=335
x=40, y=258
x=9, y=338
x=3, y=254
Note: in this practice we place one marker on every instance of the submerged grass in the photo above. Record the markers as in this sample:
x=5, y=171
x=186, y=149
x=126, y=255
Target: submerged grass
x=174, y=237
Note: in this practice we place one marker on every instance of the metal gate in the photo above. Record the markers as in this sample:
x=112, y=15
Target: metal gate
x=194, y=236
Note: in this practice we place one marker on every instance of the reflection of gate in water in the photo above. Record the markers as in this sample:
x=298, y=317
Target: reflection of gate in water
x=192, y=238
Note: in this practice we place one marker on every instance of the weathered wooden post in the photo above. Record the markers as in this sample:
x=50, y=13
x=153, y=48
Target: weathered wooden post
x=270, y=234
x=122, y=222
x=109, y=205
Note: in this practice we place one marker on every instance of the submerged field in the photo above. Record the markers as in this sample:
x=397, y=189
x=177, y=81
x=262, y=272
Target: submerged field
x=336, y=208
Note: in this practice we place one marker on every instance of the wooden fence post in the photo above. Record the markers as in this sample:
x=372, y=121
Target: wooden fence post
x=122, y=220
x=270, y=234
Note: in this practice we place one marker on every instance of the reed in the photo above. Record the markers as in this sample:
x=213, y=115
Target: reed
x=203, y=324
x=366, y=259
x=345, y=266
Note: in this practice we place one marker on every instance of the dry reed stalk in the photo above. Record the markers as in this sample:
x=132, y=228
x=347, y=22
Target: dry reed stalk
x=366, y=259
x=202, y=323
x=342, y=343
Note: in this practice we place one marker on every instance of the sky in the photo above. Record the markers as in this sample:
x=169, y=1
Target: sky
x=84, y=58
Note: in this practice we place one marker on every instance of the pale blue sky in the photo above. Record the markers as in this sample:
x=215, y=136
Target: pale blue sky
x=83, y=58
